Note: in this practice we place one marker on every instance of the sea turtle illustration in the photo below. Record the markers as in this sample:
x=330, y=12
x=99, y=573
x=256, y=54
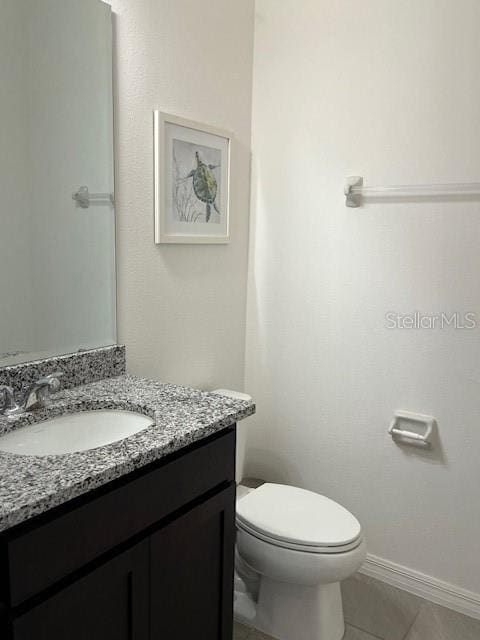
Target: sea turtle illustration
x=205, y=184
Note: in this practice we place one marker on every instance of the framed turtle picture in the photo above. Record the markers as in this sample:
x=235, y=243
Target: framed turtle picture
x=192, y=181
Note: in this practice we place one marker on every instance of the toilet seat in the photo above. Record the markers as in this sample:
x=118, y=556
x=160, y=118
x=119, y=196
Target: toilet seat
x=297, y=519
x=317, y=549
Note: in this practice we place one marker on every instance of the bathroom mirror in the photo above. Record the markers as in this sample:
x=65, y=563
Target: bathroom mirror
x=57, y=249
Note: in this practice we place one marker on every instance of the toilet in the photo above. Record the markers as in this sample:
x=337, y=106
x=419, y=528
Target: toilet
x=300, y=545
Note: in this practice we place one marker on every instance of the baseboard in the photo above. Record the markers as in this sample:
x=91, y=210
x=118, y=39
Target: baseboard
x=437, y=591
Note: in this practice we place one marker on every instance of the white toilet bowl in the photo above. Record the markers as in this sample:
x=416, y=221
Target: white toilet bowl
x=302, y=545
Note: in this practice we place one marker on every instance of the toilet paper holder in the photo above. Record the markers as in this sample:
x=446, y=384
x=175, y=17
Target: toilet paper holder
x=412, y=437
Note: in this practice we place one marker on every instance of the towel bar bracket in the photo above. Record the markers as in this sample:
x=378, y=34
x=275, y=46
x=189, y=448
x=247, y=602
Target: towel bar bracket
x=352, y=199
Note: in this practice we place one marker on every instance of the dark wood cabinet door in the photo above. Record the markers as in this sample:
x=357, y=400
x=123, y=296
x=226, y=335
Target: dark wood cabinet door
x=110, y=603
x=192, y=564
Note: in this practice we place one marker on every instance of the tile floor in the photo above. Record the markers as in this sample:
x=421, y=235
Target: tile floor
x=244, y=633
x=241, y=632
x=376, y=611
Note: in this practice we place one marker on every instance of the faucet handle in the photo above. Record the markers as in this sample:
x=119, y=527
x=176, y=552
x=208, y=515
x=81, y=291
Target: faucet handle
x=52, y=380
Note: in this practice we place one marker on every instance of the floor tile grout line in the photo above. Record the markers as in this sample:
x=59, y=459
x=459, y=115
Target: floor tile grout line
x=412, y=625
x=372, y=635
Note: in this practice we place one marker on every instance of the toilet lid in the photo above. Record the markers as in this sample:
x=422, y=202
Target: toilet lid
x=298, y=517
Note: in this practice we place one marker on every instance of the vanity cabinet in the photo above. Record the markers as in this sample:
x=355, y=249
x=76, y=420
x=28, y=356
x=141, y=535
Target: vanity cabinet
x=191, y=566
x=148, y=557
x=110, y=603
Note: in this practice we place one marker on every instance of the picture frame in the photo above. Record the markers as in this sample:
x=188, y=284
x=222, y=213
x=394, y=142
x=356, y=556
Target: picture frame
x=192, y=181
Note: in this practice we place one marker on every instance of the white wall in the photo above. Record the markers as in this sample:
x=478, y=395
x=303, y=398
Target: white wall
x=181, y=308
x=387, y=90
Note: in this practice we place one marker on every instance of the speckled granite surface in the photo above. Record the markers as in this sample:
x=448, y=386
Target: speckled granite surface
x=30, y=485
x=77, y=368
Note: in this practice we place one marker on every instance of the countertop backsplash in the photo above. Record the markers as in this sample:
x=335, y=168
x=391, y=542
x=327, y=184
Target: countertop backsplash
x=78, y=368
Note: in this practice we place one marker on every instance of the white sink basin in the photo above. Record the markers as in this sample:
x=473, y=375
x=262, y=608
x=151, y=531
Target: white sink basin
x=74, y=432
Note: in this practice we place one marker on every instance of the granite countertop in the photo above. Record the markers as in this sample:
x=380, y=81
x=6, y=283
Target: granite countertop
x=30, y=485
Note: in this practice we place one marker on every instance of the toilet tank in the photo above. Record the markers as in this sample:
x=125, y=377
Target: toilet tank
x=241, y=432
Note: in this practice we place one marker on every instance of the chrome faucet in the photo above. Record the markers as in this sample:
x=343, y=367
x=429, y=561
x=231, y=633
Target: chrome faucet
x=35, y=396
x=9, y=407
